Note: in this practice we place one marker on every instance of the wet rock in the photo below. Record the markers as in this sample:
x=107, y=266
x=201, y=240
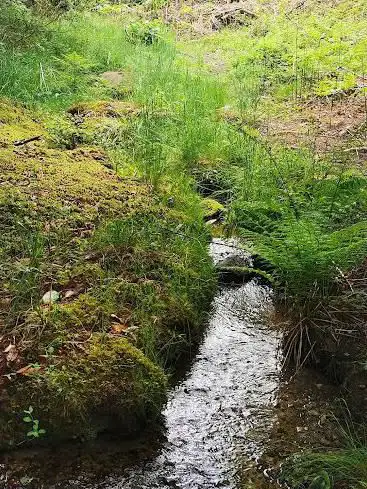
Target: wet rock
x=235, y=275
x=212, y=209
x=230, y=253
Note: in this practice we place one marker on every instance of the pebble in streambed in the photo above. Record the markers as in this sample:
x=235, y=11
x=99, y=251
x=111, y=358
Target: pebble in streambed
x=223, y=410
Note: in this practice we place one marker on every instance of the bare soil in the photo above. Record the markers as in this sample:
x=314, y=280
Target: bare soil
x=324, y=124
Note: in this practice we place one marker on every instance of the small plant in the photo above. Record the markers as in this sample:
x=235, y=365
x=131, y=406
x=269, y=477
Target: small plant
x=36, y=431
x=325, y=470
x=143, y=32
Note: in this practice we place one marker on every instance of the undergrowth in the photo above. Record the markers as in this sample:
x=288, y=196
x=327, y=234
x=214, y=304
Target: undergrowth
x=303, y=214
x=328, y=470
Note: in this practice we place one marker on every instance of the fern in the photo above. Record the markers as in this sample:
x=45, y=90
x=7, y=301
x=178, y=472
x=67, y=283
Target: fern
x=308, y=259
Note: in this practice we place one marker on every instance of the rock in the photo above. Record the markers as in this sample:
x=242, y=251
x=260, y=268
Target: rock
x=50, y=297
x=229, y=253
x=235, y=275
x=69, y=293
x=212, y=208
x=113, y=77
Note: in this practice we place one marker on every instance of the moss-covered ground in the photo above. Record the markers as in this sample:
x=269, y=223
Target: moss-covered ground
x=130, y=277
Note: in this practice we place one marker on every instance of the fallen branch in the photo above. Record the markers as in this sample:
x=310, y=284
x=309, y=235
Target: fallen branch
x=21, y=142
x=296, y=7
x=361, y=148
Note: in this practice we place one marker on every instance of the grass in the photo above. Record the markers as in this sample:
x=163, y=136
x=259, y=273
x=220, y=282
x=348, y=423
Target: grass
x=311, y=50
x=133, y=277
x=344, y=468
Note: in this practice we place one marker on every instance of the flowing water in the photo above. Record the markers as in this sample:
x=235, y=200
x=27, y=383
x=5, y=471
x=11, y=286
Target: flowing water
x=217, y=418
x=222, y=411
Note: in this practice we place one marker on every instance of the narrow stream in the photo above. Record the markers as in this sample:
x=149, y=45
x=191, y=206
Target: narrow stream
x=217, y=419
x=222, y=411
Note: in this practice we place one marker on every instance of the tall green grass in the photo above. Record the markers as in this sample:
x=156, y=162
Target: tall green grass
x=305, y=215
x=348, y=468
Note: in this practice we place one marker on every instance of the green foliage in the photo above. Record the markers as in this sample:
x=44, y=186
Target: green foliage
x=144, y=32
x=324, y=470
x=35, y=431
x=307, y=260
x=143, y=229
x=18, y=25
x=317, y=49
x=306, y=217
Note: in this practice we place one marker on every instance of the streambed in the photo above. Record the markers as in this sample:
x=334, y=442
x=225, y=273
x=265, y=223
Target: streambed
x=223, y=410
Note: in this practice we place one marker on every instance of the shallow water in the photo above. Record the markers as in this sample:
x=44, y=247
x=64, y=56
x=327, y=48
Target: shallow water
x=218, y=417
x=222, y=411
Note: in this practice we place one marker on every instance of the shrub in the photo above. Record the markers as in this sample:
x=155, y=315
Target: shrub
x=308, y=261
x=18, y=25
x=144, y=32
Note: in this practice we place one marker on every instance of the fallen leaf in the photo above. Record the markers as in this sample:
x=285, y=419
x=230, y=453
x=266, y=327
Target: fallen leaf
x=117, y=328
x=11, y=353
x=28, y=370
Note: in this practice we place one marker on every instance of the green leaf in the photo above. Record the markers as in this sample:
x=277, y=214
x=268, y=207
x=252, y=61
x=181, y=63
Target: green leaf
x=30, y=410
x=27, y=419
x=41, y=431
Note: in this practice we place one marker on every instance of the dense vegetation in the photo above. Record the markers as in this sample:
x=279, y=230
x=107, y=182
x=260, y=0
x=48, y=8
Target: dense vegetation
x=188, y=126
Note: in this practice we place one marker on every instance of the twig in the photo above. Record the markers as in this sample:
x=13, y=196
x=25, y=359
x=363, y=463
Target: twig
x=361, y=148
x=296, y=7
x=21, y=142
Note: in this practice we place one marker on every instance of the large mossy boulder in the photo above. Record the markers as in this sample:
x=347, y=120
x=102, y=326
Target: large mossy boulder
x=105, y=384
x=131, y=290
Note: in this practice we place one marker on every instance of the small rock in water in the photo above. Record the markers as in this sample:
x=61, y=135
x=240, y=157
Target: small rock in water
x=50, y=297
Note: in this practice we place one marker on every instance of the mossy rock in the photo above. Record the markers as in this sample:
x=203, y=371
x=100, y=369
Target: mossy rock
x=104, y=123
x=129, y=285
x=105, y=109
x=212, y=208
x=105, y=384
x=15, y=125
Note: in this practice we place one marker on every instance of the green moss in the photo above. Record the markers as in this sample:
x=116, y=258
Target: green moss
x=84, y=313
x=105, y=109
x=15, y=125
x=102, y=123
x=104, y=383
x=109, y=245
x=211, y=208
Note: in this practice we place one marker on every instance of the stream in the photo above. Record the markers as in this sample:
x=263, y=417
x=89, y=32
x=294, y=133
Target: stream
x=219, y=416
x=222, y=411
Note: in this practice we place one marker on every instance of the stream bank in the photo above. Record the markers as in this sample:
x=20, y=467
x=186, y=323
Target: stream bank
x=229, y=422
x=223, y=409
